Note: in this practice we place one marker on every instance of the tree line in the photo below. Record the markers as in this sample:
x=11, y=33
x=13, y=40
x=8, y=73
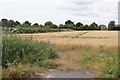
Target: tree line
x=67, y=25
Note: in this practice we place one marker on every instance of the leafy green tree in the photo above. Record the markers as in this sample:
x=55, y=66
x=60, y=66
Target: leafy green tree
x=36, y=25
x=61, y=26
x=82, y=27
x=0, y=24
x=85, y=27
x=26, y=24
x=78, y=26
x=50, y=24
x=69, y=24
x=41, y=25
x=4, y=23
x=54, y=26
x=17, y=23
x=11, y=23
x=93, y=26
x=111, y=25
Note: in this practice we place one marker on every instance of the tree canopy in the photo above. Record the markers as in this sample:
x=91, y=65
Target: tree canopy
x=26, y=23
x=67, y=25
x=111, y=25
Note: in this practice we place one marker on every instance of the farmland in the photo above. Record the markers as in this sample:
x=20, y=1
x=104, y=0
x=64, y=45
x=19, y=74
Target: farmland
x=59, y=39
x=85, y=38
x=91, y=50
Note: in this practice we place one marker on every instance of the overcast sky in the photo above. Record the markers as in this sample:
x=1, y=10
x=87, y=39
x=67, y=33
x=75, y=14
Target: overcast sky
x=58, y=11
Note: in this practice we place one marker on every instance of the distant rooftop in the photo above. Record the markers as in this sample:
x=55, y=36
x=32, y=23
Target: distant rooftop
x=117, y=25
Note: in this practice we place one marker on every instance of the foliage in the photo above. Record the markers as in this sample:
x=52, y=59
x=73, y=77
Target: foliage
x=50, y=24
x=111, y=25
x=112, y=70
x=26, y=23
x=69, y=22
x=79, y=26
x=11, y=23
x=17, y=72
x=93, y=26
x=17, y=50
x=107, y=64
x=50, y=27
x=36, y=30
x=17, y=23
x=36, y=25
x=61, y=26
x=4, y=22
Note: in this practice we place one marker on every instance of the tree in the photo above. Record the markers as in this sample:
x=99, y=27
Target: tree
x=17, y=23
x=53, y=26
x=69, y=22
x=41, y=25
x=79, y=24
x=85, y=27
x=36, y=25
x=11, y=23
x=93, y=26
x=0, y=24
x=61, y=26
x=111, y=25
x=48, y=23
x=4, y=23
x=26, y=23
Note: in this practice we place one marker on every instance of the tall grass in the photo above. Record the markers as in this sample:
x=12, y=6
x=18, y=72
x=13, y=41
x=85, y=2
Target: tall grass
x=17, y=50
x=103, y=64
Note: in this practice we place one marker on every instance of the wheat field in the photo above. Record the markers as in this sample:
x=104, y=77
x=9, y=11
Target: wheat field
x=91, y=38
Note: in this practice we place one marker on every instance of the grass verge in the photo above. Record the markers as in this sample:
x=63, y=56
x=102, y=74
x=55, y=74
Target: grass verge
x=17, y=53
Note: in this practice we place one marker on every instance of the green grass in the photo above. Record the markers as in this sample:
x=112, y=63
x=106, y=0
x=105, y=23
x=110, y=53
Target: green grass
x=19, y=71
x=17, y=51
x=112, y=70
x=104, y=65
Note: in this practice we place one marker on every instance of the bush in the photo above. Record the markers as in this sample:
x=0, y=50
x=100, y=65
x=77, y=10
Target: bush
x=36, y=30
x=112, y=70
x=20, y=71
x=17, y=50
x=107, y=64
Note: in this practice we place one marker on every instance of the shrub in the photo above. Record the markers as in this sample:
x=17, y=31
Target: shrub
x=18, y=50
x=112, y=70
x=20, y=71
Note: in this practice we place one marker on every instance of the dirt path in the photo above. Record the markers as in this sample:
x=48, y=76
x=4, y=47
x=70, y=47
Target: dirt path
x=65, y=74
x=70, y=74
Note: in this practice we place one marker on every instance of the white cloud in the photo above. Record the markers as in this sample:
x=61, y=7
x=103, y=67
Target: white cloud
x=87, y=11
x=100, y=11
